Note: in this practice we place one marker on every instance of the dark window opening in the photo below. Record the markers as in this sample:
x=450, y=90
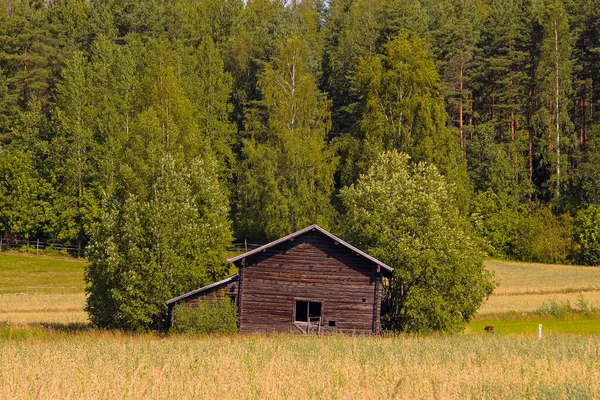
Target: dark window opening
x=364, y=300
x=331, y=322
x=314, y=309
x=308, y=309
x=301, y=311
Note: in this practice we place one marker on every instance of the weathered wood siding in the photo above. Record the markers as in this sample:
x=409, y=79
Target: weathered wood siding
x=230, y=288
x=310, y=267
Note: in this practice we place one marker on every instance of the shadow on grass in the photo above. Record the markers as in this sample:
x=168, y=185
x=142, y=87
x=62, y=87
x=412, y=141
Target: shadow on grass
x=70, y=327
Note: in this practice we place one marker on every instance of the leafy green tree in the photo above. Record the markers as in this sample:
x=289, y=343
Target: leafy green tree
x=144, y=252
x=586, y=233
x=286, y=180
x=496, y=221
x=25, y=209
x=113, y=82
x=252, y=45
x=75, y=169
x=403, y=110
x=543, y=237
x=209, y=89
x=404, y=214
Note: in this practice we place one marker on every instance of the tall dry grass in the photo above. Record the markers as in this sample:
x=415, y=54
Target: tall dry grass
x=43, y=308
x=94, y=364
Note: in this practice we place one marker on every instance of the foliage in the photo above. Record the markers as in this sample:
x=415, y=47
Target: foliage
x=404, y=215
x=557, y=309
x=543, y=237
x=586, y=233
x=501, y=96
x=495, y=222
x=143, y=253
x=216, y=316
x=286, y=175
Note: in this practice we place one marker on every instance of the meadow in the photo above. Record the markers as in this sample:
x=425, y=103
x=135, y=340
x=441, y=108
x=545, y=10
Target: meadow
x=48, y=351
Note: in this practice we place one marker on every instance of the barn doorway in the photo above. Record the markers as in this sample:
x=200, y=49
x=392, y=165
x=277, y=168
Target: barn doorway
x=308, y=315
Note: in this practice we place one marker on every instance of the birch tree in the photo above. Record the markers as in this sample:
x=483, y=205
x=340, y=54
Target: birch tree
x=287, y=172
x=554, y=86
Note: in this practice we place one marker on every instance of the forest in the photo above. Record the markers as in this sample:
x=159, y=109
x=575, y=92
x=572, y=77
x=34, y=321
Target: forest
x=183, y=125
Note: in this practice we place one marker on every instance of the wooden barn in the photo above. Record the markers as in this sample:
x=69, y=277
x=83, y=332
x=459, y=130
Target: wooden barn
x=307, y=282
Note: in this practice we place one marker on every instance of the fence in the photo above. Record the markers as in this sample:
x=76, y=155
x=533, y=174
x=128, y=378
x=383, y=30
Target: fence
x=243, y=247
x=64, y=289
x=8, y=242
x=38, y=246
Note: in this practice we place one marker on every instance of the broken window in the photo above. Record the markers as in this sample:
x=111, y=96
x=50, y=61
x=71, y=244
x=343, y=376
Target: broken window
x=308, y=309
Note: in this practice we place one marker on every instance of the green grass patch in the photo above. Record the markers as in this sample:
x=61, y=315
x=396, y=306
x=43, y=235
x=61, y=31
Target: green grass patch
x=514, y=323
x=42, y=274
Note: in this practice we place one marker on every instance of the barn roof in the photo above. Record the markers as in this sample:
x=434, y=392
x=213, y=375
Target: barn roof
x=308, y=229
x=273, y=244
x=203, y=289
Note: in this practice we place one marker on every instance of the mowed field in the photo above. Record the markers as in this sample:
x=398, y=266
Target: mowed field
x=48, y=351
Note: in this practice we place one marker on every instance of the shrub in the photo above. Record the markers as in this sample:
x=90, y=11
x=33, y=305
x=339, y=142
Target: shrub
x=51, y=251
x=587, y=235
x=543, y=237
x=557, y=309
x=217, y=316
x=496, y=222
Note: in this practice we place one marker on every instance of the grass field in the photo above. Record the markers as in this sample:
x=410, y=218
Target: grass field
x=113, y=365
x=48, y=351
x=42, y=274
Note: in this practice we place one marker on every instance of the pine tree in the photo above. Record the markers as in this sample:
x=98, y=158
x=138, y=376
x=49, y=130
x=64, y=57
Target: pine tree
x=455, y=27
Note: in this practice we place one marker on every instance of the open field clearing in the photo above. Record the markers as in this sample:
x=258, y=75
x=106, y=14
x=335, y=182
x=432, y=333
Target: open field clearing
x=519, y=278
x=112, y=365
x=531, y=302
x=523, y=288
x=42, y=274
x=43, y=308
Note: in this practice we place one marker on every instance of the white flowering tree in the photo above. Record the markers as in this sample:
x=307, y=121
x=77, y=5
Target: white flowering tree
x=405, y=215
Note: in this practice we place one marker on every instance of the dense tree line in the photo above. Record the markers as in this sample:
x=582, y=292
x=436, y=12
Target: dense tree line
x=182, y=124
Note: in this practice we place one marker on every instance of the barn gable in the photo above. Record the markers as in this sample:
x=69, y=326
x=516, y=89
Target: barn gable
x=307, y=281
x=312, y=228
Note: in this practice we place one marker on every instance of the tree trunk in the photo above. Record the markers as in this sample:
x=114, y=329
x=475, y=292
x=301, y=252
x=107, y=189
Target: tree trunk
x=460, y=108
x=557, y=113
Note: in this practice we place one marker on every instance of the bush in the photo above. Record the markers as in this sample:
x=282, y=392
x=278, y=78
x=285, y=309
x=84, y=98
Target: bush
x=217, y=316
x=51, y=251
x=543, y=237
x=557, y=309
x=496, y=222
x=587, y=235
